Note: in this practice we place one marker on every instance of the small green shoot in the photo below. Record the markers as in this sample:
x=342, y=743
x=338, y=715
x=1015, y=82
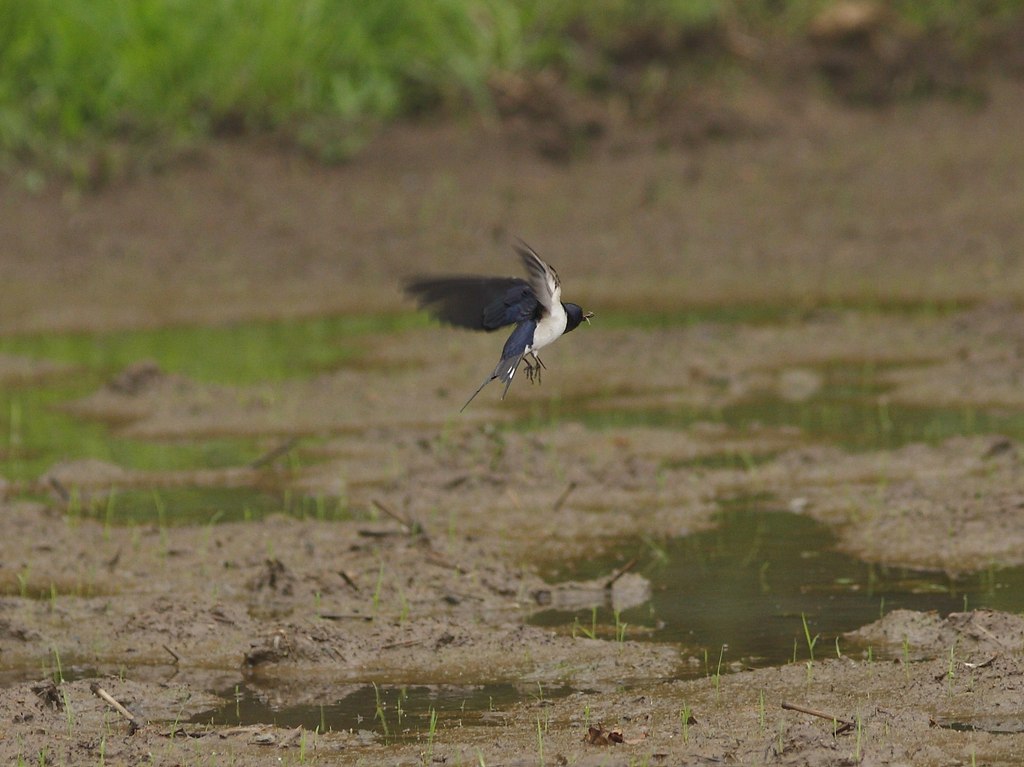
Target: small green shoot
x=807, y=635
x=403, y=615
x=717, y=678
x=685, y=716
x=58, y=671
x=590, y=633
x=379, y=713
x=620, y=627
x=74, y=512
x=431, y=732
x=658, y=553
x=860, y=736
x=69, y=716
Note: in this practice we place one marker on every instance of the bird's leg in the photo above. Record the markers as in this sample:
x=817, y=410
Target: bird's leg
x=533, y=371
x=530, y=369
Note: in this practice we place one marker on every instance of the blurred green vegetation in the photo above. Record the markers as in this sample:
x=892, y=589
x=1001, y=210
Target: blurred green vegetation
x=325, y=71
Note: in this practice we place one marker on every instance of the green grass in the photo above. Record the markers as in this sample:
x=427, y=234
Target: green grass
x=79, y=69
x=78, y=77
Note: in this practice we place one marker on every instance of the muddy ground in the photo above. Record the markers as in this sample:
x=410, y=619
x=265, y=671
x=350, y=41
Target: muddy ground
x=889, y=235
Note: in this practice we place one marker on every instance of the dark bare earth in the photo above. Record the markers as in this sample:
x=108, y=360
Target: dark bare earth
x=803, y=203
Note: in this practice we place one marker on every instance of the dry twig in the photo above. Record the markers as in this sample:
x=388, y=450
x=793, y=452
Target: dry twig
x=846, y=723
x=106, y=697
x=272, y=455
x=564, y=496
x=619, y=573
x=411, y=526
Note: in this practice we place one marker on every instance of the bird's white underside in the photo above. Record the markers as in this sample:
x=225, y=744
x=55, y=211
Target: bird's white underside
x=551, y=326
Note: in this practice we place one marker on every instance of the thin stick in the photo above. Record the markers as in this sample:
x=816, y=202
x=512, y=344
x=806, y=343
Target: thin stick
x=60, y=490
x=273, y=455
x=564, y=496
x=619, y=573
x=110, y=701
x=406, y=643
x=820, y=714
x=177, y=658
x=436, y=559
x=348, y=579
x=411, y=526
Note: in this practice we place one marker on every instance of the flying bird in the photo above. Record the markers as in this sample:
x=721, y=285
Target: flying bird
x=533, y=305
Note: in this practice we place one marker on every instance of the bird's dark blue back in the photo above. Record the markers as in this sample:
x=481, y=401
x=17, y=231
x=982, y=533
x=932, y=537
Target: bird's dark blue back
x=518, y=304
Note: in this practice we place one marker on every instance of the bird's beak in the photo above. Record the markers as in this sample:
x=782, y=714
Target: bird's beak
x=587, y=316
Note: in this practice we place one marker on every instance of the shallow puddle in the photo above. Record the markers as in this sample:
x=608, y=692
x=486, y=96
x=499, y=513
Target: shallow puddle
x=743, y=591
x=849, y=409
x=1002, y=726
x=35, y=433
x=391, y=712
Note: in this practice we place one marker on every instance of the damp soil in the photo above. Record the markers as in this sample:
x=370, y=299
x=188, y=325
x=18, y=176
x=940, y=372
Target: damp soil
x=364, y=547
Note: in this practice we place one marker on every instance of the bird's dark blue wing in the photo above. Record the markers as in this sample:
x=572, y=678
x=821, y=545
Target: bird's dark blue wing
x=518, y=304
x=478, y=303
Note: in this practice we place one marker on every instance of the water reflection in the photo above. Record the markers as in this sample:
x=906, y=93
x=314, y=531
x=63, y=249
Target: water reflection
x=749, y=584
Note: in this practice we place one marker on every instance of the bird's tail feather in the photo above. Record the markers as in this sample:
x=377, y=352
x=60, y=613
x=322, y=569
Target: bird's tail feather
x=480, y=389
x=505, y=371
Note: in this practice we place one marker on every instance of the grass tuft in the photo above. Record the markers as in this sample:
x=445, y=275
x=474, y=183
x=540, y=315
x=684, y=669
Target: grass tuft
x=80, y=79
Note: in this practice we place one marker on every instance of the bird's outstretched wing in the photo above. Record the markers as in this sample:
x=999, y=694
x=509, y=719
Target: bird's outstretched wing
x=478, y=303
x=543, y=279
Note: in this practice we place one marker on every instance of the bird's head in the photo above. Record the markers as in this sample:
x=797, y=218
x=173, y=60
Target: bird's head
x=575, y=315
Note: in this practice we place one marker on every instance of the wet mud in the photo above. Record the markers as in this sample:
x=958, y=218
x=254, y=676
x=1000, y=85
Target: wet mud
x=401, y=546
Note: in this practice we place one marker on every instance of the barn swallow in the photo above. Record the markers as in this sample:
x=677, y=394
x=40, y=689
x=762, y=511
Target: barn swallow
x=533, y=305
